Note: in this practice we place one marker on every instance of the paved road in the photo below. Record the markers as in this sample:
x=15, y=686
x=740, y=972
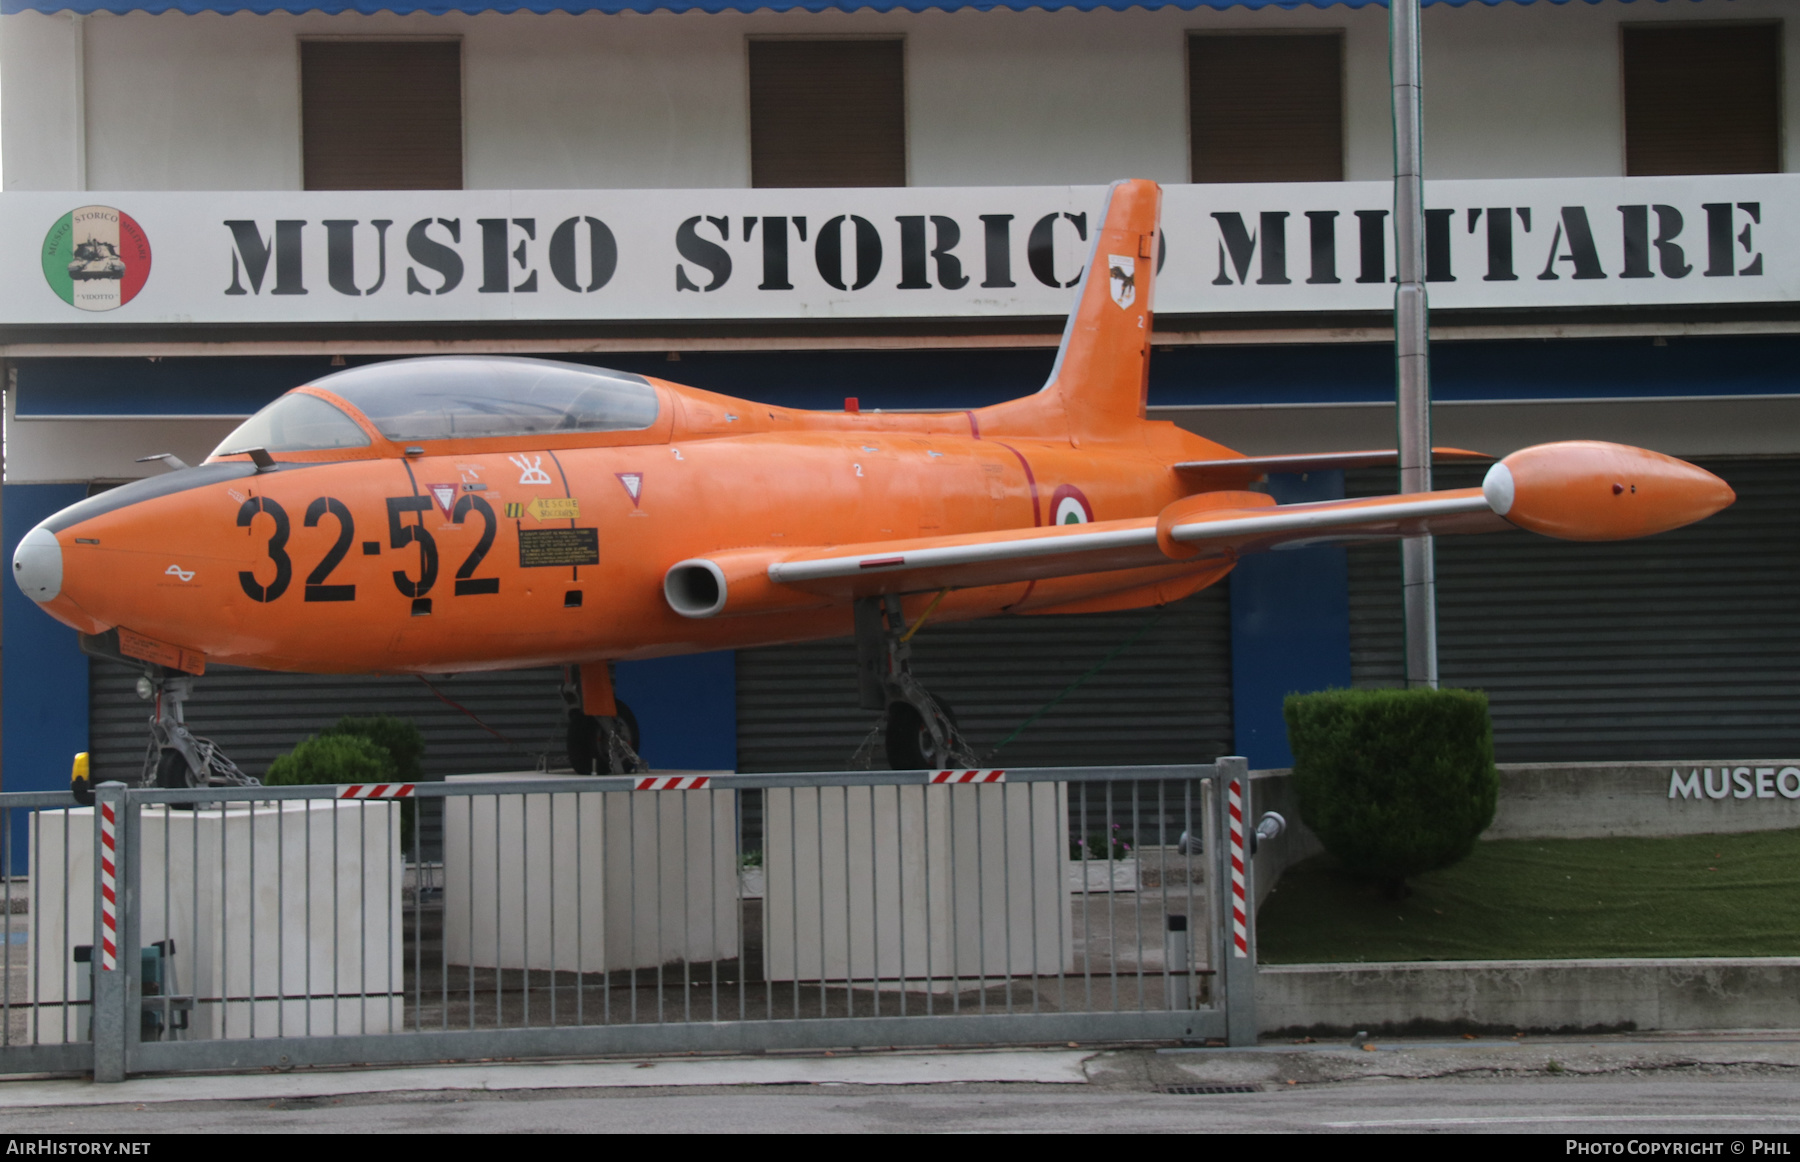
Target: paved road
x=1735, y=1088
x=1731, y=1108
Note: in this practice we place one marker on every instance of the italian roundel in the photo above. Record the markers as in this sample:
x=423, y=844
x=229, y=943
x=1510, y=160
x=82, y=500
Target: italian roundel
x=96, y=258
x=1070, y=507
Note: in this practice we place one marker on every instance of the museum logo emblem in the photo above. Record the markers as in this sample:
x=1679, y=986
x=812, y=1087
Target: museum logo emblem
x=96, y=258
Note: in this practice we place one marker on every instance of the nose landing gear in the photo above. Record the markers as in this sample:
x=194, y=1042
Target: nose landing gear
x=176, y=758
x=920, y=730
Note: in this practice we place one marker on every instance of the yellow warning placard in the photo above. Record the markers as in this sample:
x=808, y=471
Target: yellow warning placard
x=553, y=508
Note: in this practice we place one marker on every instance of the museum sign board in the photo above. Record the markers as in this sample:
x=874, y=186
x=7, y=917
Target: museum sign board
x=173, y=258
x=1736, y=783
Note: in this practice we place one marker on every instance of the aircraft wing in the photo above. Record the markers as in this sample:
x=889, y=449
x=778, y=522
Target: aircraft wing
x=1241, y=470
x=962, y=561
x=1209, y=533
x=1579, y=490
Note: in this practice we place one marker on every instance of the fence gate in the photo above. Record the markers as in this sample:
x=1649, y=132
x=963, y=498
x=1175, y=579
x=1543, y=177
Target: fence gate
x=281, y=926
x=47, y=1000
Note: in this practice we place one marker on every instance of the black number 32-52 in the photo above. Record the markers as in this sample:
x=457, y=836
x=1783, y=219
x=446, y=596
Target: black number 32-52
x=467, y=584
x=316, y=589
x=284, y=566
x=402, y=535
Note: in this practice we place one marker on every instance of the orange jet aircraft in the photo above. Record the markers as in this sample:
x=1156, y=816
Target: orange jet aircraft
x=451, y=514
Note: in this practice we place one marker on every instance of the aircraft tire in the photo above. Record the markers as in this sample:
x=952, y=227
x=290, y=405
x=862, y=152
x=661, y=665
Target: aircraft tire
x=583, y=743
x=172, y=771
x=630, y=721
x=587, y=742
x=907, y=741
x=905, y=738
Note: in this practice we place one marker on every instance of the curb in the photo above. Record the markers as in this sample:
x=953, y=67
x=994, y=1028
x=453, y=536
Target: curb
x=1581, y=996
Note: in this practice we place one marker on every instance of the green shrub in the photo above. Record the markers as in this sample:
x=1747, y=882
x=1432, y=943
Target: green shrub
x=1394, y=782
x=400, y=738
x=342, y=758
x=332, y=758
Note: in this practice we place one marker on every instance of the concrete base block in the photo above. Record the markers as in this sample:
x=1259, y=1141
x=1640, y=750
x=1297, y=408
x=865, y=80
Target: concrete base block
x=1532, y=995
x=1101, y=875
x=1593, y=800
x=922, y=884
x=589, y=881
x=276, y=910
x=1577, y=800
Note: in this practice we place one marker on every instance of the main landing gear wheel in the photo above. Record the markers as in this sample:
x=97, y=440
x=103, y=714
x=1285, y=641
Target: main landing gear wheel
x=919, y=731
x=173, y=772
x=908, y=740
x=591, y=740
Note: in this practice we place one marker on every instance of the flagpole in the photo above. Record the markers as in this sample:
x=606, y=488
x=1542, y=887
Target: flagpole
x=1418, y=568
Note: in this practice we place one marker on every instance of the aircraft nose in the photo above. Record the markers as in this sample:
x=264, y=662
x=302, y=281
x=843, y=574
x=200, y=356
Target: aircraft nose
x=38, y=565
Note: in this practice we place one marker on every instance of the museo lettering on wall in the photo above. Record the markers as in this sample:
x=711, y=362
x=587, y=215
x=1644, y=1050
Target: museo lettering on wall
x=569, y=255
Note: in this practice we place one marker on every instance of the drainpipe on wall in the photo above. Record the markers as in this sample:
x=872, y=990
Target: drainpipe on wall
x=1418, y=567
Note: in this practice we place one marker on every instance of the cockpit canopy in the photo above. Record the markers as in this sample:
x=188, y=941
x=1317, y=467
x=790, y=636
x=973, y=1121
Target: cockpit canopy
x=452, y=398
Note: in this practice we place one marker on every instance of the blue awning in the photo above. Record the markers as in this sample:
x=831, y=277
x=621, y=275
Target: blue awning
x=471, y=7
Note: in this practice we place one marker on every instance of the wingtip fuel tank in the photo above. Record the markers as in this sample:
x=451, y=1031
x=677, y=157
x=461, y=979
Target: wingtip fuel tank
x=1588, y=490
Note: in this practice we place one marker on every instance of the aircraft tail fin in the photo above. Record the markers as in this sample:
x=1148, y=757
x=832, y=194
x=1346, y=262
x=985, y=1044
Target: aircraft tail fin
x=1102, y=370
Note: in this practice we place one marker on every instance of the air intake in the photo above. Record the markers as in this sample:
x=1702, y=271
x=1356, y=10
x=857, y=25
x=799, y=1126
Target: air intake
x=695, y=588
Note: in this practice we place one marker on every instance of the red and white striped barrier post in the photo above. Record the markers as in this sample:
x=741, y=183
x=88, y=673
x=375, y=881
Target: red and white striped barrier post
x=112, y=959
x=375, y=791
x=959, y=777
x=109, y=887
x=672, y=783
x=1235, y=898
x=1240, y=932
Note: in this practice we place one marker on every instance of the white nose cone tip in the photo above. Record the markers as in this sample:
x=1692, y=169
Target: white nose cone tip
x=38, y=565
x=1497, y=489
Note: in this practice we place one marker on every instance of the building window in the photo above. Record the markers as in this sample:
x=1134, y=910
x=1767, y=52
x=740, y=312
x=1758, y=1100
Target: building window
x=381, y=114
x=1702, y=98
x=827, y=113
x=1266, y=108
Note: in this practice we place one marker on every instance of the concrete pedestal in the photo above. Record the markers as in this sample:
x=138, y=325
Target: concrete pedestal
x=285, y=916
x=924, y=884
x=589, y=881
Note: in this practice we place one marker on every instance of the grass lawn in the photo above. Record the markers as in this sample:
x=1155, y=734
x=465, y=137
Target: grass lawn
x=1535, y=899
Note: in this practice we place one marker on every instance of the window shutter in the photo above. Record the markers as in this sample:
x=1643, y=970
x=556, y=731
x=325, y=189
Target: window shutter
x=827, y=113
x=1702, y=99
x=381, y=114
x=1266, y=108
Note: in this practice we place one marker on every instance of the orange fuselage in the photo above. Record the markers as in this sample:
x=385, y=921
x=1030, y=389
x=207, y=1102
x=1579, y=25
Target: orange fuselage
x=443, y=563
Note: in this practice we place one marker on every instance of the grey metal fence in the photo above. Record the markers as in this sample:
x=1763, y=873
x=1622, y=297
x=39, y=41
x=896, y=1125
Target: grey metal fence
x=282, y=926
x=47, y=1005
